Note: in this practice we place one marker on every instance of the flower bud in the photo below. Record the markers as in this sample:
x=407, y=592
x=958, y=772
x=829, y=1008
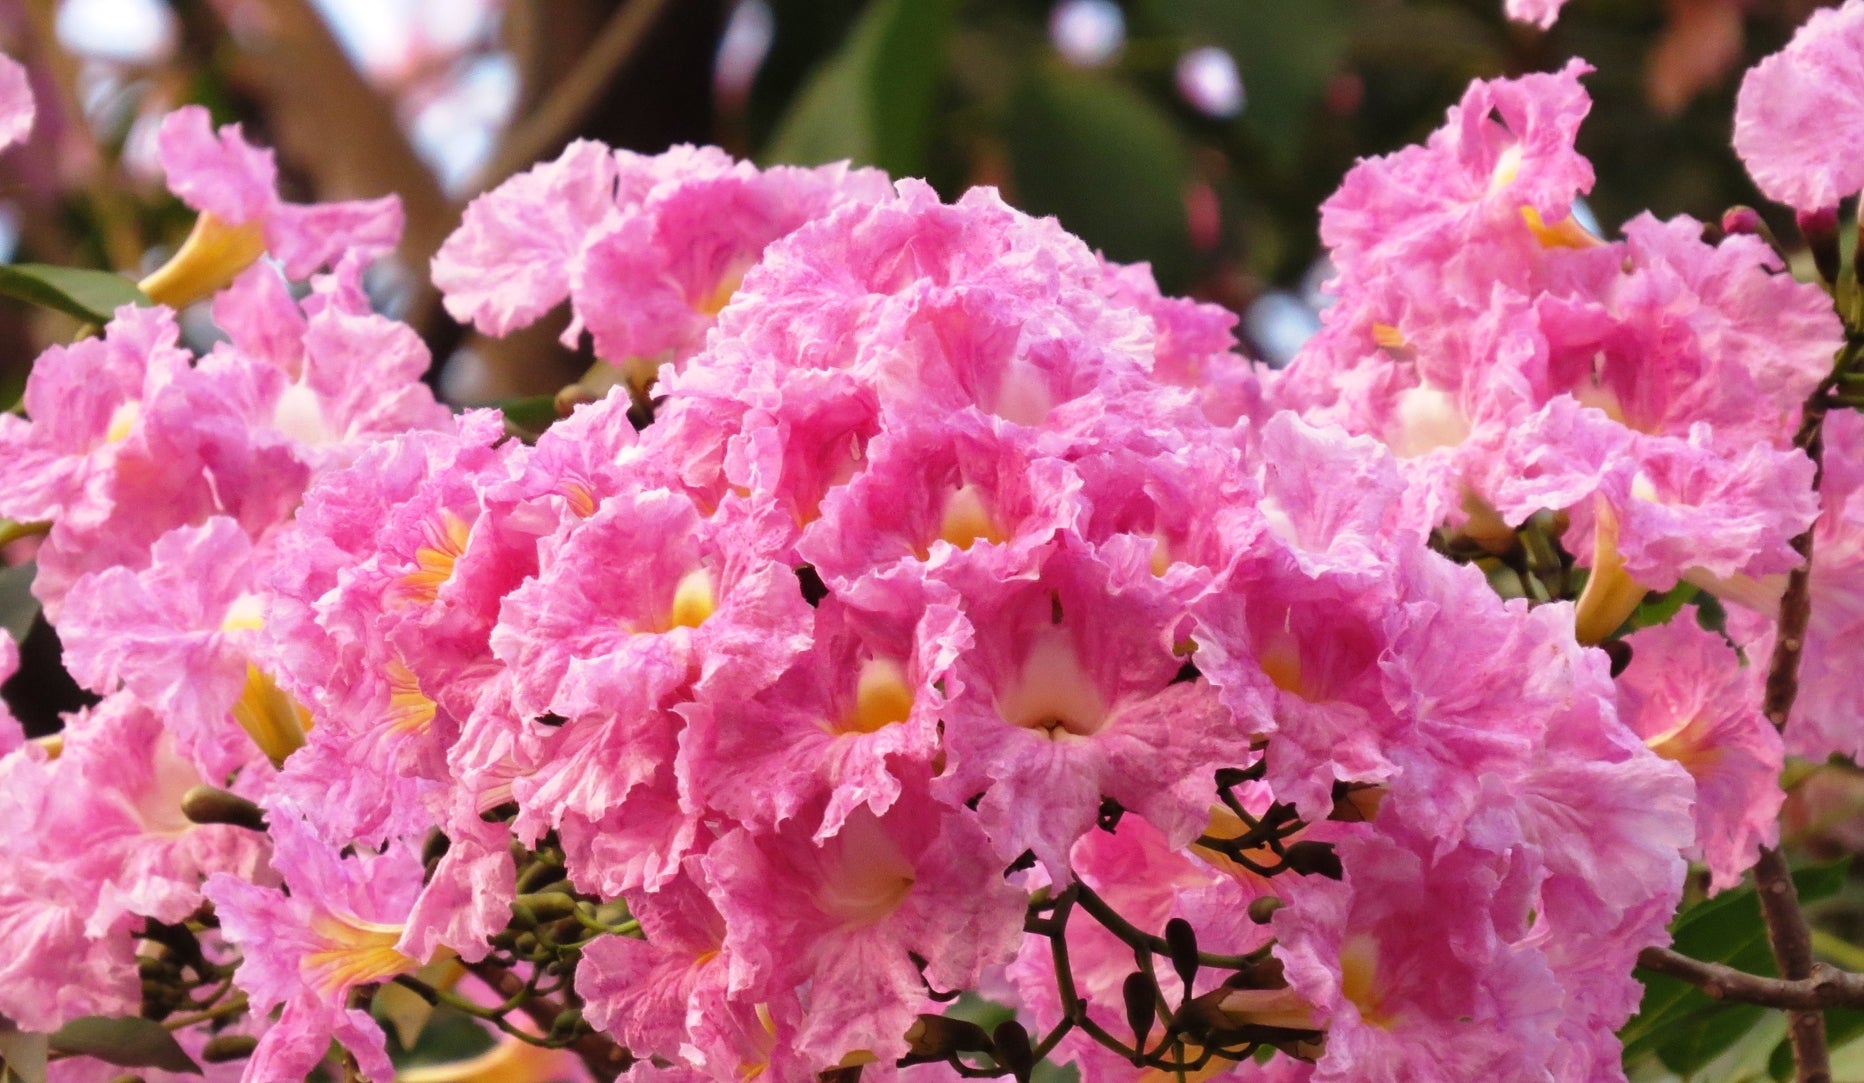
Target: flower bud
x=1140, y=994
x=210, y=805
x=1820, y=229
x=1182, y=940
x=225, y=1047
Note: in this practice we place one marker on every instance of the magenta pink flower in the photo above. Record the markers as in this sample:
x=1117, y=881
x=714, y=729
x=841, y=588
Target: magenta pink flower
x=1797, y=122
x=16, y=104
x=1688, y=695
x=841, y=919
x=220, y=174
x=304, y=951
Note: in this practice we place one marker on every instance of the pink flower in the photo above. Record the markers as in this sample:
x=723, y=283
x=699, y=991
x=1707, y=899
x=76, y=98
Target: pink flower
x=1137, y=872
x=1413, y=965
x=668, y=994
x=1540, y=12
x=179, y=634
x=1797, y=122
x=1687, y=694
x=842, y=919
x=1069, y=693
x=73, y=917
x=223, y=176
x=648, y=250
x=16, y=104
x=847, y=723
x=304, y=951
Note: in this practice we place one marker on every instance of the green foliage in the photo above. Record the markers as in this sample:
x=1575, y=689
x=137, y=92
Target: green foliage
x=128, y=1043
x=91, y=296
x=873, y=102
x=1682, y=1026
x=1098, y=155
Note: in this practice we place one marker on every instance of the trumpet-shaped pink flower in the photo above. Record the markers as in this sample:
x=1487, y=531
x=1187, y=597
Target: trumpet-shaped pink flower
x=304, y=951
x=845, y=725
x=1687, y=694
x=842, y=919
x=1070, y=692
x=1797, y=125
x=219, y=173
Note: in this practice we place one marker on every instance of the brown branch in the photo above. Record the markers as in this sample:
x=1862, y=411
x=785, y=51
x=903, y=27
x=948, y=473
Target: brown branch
x=1791, y=941
x=1787, y=932
x=1825, y=987
x=331, y=123
x=604, y=1058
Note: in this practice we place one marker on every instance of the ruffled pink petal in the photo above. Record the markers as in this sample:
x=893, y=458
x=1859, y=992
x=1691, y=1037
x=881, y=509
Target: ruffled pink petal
x=1797, y=125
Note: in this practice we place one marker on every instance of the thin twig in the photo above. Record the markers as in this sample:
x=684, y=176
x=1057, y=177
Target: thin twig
x=1787, y=932
x=1826, y=987
x=550, y=125
x=604, y=1057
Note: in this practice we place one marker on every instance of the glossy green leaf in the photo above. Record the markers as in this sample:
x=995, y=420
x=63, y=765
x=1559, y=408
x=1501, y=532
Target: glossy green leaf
x=91, y=296
x=1676, y=1022
x=532, y=414
x=873, y=102
x=127, y=1043
x=1098, y=155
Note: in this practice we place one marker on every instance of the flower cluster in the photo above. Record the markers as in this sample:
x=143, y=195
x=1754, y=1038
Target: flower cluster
x=934, y=607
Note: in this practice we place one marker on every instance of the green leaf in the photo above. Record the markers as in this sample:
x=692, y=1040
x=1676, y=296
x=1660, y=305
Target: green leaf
x=533, y=414
x=1098, y=155
x=1658, y=609
x=126, y=1043
x=1680, y=1025
x=91, y=296
x=873, y=102
x=18, y=608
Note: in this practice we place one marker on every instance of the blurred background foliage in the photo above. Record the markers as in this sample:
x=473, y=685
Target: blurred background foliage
x=1198, y=135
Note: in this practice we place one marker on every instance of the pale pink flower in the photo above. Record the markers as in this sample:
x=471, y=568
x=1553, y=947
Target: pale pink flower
x=304, y=951
x=841, y=920
x=16, y=104
x=1797, y=122
x=72, y=918
x=220, y=174
x=1543, y=13
x=1688, y=695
